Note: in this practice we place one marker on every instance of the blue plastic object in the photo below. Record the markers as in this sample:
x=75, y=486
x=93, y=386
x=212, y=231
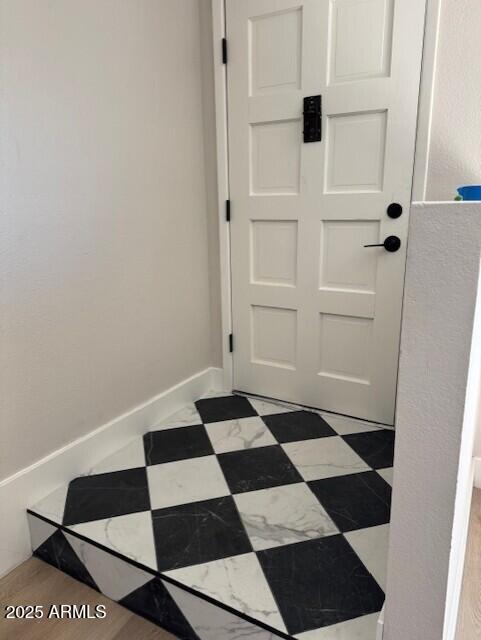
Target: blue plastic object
x=471, y=192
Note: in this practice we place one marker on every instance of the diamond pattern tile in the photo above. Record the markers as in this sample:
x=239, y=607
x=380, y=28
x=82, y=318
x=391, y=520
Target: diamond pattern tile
x=224, y=408
x=355, y=502
x=376, y=448
x=106, y=495
x=258, y=469
x=238, y=582
x=268, y=510
x=57, y=551
x=186, y=481
x=176, y=444
x=283, y=515
x=298, y=425
x=324, y=458
x=347, y=589
x=154, y=602
x=198, y=532
x=235, y=435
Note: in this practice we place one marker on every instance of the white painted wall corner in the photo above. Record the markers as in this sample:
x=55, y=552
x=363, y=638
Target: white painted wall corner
x=29, y=485
x=380, y=625
x=477, y=472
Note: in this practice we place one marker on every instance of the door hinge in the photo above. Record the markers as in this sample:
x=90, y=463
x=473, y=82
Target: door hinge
x=231, y=342
x=227, y=210
x=224, y=50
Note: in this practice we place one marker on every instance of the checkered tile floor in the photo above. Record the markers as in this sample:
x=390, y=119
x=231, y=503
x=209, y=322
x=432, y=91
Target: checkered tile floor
x=279, y=513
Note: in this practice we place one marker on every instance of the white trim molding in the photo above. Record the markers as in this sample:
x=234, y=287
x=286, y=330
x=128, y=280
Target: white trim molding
x=426, y=98
x=380, y=625
x=220, y=87
x=29, y=485
x=477, y=472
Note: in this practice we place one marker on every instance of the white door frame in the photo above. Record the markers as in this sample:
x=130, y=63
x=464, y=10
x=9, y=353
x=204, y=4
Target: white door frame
x=220, y=87
x=431, y=30
x=426, y=97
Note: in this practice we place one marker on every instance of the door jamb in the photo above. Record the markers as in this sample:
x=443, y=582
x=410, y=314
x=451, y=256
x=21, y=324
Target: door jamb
x=426, y=99
x=220, y=88
x=421, y=157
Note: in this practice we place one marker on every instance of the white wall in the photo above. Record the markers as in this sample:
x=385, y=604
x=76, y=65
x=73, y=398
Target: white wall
x=455, y=151
x=103, y=254
x=477, y=441
x=466, y=472
x=439, y=382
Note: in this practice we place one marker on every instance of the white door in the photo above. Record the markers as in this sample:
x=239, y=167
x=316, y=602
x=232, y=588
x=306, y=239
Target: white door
x=316, y=314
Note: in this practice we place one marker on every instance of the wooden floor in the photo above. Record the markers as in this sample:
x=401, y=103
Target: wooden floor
x=35, y=582
x=469, y=618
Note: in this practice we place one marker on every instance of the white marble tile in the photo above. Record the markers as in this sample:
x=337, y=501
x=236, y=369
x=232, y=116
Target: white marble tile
x=387, y=474
x=324, y=458
x=212, y=393
x=238, y=582
x=344, y=426
x=363, y=628
x=213, y=623
x=186, y=481
x=283, y=515
x=40, y=531
x=53, y=505
x=186, y=417
x=371, y=545
x=130, y=535
x=244, y=433
x=129, y=457
x=114, y=577
x=265, y=408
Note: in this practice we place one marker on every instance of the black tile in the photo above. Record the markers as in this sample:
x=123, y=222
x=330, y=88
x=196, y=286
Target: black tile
x=355, y=501
x=106, y=495
x=375, y=447
x=225, y=408
x=319, y=583
x=259, y=468
x=298, y=425
x=198, y=532
x=177, y=444
x=154, y=602
x=57, y=551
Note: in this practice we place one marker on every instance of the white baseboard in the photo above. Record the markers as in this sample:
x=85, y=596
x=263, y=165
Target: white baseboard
x=29, y=485
x=477, y=472
x=380, y=625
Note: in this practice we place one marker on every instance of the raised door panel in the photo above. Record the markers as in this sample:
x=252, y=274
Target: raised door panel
x=275, y=56
x=361, y=39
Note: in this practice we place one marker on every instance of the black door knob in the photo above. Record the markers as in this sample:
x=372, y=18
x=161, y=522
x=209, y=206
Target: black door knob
x=391, y=244
x=394, y=210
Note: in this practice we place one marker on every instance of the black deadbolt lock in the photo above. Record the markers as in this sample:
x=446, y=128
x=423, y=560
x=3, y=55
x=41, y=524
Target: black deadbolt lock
x=312, y=113
x=391, y=244
x=394, y=210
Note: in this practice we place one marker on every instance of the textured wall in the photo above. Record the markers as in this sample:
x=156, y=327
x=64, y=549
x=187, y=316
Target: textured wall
x=455, y=153
x=104, y=250
x=439, y=383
